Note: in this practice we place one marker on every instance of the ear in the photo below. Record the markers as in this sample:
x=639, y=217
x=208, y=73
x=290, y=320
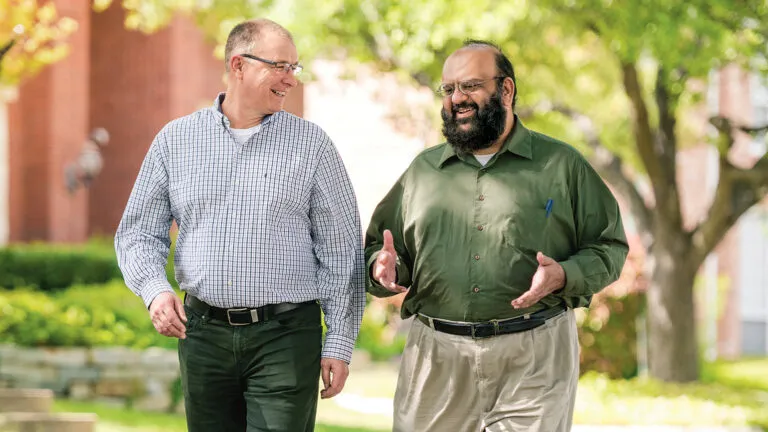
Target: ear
x=236, y=65
x=507, y=91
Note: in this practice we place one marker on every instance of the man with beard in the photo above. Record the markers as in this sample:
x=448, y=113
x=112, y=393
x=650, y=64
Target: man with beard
x=498, y=234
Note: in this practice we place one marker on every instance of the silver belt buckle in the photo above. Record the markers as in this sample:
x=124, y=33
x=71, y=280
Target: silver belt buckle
x=254, y=316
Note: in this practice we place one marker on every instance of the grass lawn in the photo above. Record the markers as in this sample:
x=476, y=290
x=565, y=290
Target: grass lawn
x=115, y=419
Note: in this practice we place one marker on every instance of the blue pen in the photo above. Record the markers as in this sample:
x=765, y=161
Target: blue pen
x=549, y=207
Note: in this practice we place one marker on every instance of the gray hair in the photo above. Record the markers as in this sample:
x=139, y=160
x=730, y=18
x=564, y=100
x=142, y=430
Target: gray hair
x=245, y=36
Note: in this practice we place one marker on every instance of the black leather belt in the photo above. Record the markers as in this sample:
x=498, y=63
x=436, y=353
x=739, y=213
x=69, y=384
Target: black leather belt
x=493, y=327
x=241, y=316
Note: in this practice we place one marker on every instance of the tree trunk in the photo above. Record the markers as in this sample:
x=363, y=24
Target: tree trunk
x=673, y=344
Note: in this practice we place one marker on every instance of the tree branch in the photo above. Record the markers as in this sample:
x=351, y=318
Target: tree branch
x=666, y=203
x=665, y=148
x=737, y=191
x=607, y=164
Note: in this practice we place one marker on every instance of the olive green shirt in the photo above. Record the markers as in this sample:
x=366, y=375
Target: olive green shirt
x=467, y=235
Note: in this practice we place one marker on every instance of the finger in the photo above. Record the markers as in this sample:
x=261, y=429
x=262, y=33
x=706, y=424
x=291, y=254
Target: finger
x=395, y=287
x=525, y=300
x=543, y=259
x=177, y=328
x=339, y=379
x=389, y=243
x=180, y=309
x=326, y=375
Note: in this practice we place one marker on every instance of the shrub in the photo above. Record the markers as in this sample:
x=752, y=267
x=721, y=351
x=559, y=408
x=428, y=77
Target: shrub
x=55, y=267
x=608, y=334
x=49, y=267
x=378, y=335
x=97, y=315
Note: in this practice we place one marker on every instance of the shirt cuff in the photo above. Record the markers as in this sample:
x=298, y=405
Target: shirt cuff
x=573, y=278
x=338, y=347
x=154, y=288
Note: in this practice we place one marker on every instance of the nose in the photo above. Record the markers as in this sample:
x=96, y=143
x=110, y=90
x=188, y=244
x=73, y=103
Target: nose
x=458, y=97
x=290, y=79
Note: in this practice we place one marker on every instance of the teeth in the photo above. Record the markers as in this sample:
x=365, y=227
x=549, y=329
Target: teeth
x=279, y=93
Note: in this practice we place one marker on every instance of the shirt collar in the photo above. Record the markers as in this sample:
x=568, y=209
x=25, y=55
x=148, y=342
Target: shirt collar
x=518, y=142
x=223, y=119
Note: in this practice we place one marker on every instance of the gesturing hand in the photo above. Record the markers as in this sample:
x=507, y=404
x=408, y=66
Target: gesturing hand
x=549, y=277
x=168, y=317
x=385, y=267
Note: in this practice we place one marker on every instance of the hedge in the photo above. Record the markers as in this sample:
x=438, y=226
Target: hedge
x=49, y=267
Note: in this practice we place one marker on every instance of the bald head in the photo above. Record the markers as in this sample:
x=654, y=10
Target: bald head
x=245, y=37
x=490, y=57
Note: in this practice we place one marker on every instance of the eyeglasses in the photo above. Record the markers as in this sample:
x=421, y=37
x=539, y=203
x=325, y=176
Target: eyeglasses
x=466, y=87
x=281, y=66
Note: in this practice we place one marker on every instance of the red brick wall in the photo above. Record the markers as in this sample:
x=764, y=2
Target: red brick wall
x=129, y=97
x=127, y=82
x=48, y=125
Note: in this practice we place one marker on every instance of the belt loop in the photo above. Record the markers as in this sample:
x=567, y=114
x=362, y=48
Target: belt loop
x=431, y=323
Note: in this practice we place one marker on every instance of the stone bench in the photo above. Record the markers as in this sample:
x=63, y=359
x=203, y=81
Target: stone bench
x=47, y=422
x=25, y=400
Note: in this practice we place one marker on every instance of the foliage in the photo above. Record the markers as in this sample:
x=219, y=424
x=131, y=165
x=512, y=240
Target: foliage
x=55, y=267
x=378, y=336
x=608, y=334
x=39, y=35
x=95, y=315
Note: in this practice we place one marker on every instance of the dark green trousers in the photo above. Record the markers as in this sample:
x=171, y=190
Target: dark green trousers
x=262, y=377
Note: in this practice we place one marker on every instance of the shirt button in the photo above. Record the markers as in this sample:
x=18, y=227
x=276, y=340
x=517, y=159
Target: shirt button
x=481, y=197
x=477, y=257
x=479, y=227
x=476, y=289
x=229, y=283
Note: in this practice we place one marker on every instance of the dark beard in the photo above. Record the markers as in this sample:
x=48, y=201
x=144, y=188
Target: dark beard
x=487, y=125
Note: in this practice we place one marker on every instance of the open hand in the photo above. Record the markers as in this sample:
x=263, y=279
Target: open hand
x=385, y=267
x=549, y=277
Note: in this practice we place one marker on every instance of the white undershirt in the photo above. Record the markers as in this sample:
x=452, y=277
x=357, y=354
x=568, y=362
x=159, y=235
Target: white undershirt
x=243, y=135
x=483, y=159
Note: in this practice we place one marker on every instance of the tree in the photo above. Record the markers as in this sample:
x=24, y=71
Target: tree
x=31, y=36
x=619, y=77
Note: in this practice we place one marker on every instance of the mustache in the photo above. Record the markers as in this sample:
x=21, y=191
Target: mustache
x=455, y=108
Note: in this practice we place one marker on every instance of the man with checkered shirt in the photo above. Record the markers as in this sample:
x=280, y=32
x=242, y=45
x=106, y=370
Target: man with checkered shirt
x=269, y=233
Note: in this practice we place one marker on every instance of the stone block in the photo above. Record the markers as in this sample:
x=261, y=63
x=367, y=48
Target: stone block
x=115, y=356
x=28, y=373
x=48, y=422
x=65, y=357
x=26, y=400
x=123, y=388
x=80, y=390
x=122, y=373
x=160, y=359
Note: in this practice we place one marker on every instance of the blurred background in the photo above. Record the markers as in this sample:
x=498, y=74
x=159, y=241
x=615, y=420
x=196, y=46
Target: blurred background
x=667, y=99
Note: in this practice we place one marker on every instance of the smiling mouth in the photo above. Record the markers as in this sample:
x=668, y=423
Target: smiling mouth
x=463, y=111
x=279, y=93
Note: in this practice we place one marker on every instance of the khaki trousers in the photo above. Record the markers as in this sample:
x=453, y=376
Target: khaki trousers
x=515, y=382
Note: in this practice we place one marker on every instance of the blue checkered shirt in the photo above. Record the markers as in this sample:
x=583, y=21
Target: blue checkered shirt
x=274, y=220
